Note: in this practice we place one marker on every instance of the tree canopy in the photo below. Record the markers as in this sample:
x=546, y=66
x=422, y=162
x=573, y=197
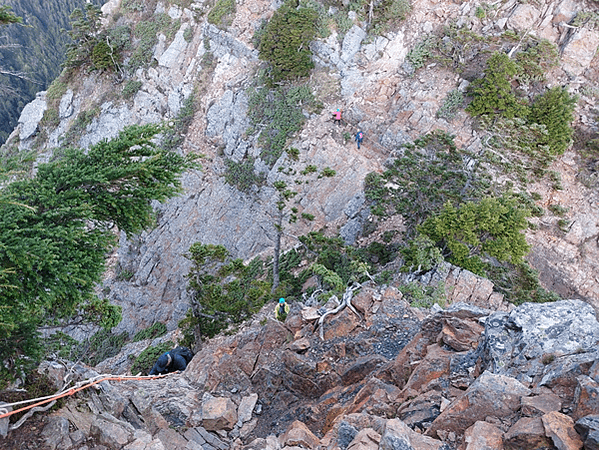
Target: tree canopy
x=57, y=227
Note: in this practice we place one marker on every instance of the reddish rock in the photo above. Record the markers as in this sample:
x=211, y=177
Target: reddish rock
x=363, y=302
x=361, y=368
x=527, y=433
x=421, y=411
x=366, y=439
x=483, y=436
x=560, y=428
x=342, y=324
x=376, y=397
x=398, y=435
x=460, y=334
x=218, y=413
x=586, y=398
x=299, y=435
x=540, y=404
x=490, y=395
x=434, y=365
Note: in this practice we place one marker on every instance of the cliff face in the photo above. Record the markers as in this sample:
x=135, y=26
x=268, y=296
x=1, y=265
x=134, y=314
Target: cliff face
x=379, y=91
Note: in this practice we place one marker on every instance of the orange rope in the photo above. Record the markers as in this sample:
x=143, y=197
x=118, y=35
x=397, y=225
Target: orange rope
x=75, y=390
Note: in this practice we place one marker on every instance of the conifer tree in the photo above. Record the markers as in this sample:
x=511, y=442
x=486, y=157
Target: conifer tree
x=56, y=229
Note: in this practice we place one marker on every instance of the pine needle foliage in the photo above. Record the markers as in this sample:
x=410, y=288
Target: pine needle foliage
x=555, y=110
x=493, y=92
x=224, y=291
x=473, y=233
x=56, y=228
x=285, y=42
x=430, y=172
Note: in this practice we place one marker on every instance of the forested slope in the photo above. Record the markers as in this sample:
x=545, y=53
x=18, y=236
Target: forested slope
x=36, y=49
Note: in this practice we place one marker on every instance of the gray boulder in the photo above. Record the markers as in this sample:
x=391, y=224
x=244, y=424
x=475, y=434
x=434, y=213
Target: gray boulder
x=535, y=342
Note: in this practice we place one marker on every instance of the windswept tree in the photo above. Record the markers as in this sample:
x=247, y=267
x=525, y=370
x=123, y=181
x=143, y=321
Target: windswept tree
x=57, y=228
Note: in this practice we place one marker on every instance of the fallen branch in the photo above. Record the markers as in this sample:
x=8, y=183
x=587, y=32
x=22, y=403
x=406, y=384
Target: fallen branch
x=345, y=301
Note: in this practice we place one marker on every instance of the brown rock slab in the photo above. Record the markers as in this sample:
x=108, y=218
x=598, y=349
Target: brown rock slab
x=366, y=439
x=376, y=397
x=483, y=436
x=398, y=435
x=299, y=345
x=528, y=433
x=341, y=325
x=361, y=368
x=490, y=395
x=299, y=435
x=540, y=404
x=218, y=413
x=434, y=365
x=460, y=334
x=421, y=411
x=112, y=433
x=560, y=428
x=586, y=398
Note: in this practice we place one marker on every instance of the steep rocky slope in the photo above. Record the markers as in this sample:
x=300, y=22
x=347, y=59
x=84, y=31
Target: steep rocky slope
x=386, y=377
x=392, y=376
x=379, y=93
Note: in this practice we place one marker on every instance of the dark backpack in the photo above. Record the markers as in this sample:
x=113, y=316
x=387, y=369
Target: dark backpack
x=184, y=352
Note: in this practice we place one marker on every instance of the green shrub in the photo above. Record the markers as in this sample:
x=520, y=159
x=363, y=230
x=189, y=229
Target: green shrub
x=554, y=109
x=174, y=135
x=154, y=331
x=519, y=283
x=421, y=52
x=389, y=13
x=102, y=56
x=56, y=90
x=285, y=42
x=310, y=168
x=224, y=291
x=242, y=174
x=475, y=232
x=451, y=104
x=420, y=296
x=558, y=210
x=131, y=88
x=146, y=359
x=421, y=254
x=146, y=38
x=418, y=183
x=327, y=172
x=188, y=34
x=221, y=13
x=278, y=114
x=492, y=94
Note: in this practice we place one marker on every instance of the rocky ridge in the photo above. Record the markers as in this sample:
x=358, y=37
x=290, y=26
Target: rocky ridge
x=390, y=377
x=393, y=377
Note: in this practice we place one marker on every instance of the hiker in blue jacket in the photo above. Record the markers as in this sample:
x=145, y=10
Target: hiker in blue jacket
x=359, y=137
x=172, y=361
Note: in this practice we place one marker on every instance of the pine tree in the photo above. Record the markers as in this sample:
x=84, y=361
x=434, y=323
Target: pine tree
x=56, y=229
x=555, y=110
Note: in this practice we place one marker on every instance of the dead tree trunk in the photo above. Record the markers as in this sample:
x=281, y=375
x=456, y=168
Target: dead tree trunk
x=345, y=301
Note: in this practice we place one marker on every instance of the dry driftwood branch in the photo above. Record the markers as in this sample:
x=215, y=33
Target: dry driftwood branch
x=345, y=301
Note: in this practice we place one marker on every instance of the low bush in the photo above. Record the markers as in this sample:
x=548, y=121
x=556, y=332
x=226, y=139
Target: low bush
x=154, y=331
x=285, y=42
x=146, y=359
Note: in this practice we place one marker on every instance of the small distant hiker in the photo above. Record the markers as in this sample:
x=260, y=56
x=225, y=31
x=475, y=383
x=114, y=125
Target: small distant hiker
x=172, y=361
x=281, y=310
x=337, y=116
x=359, y=137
